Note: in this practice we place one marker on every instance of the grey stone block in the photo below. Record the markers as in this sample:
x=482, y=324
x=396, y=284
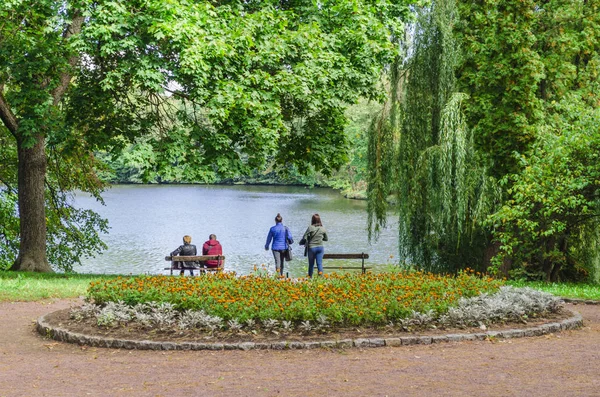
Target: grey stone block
x=425, y=340
x=455, y=337
x=393, y=342
x=537, y=331
x=409, y=340
x=279, y=345
x=376, y=342
x=214, y=346
x=528, y=332
x=312, y=345
x=132, y=345
x=296, y=345
x=361, y=342
x=185, y=346
x=512, y=333
x=169, y=346
x=199, y=346
x=439, y=339
x=344, y=343
x=246, y=345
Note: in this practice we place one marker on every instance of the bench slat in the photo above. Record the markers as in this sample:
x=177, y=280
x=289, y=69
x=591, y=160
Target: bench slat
x=346, y=256
x=194, y=258
x=346, y=267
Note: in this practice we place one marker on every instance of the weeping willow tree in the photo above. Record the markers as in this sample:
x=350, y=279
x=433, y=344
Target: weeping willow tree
x=421, y=154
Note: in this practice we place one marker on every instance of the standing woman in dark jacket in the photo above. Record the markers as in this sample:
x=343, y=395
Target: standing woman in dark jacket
x=282, y=238
x=187, y=249
x=313, y=238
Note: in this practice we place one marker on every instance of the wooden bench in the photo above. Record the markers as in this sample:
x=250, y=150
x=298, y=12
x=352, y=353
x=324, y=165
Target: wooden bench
x=201, y=258
x=362, y=256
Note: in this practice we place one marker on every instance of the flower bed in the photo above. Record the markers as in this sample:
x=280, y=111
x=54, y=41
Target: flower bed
x=342, y=299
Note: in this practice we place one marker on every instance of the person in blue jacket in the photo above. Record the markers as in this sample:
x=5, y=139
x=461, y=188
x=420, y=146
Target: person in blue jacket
x=282, y=238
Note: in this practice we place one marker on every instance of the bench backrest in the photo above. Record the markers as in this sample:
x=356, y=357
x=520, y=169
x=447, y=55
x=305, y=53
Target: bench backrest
x=201, y=258
x=346, y=256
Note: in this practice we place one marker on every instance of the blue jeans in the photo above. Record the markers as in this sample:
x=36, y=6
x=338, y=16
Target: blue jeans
x=315, y=253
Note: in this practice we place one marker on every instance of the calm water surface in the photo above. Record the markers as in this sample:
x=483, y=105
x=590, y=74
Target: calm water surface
x=148, y=222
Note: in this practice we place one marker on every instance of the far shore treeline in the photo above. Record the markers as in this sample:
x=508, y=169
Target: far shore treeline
x=477, y=124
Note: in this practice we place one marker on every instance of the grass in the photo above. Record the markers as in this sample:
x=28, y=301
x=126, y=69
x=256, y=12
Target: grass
x=565, y=290
x=29, y=286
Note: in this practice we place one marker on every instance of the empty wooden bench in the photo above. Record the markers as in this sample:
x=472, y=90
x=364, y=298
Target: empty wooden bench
x=202, y=258
x=361, y=256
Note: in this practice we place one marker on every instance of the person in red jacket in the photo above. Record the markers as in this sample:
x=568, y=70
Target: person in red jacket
x=212, y=247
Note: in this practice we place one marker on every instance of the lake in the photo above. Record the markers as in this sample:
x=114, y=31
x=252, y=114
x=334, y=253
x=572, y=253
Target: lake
x=147, y=222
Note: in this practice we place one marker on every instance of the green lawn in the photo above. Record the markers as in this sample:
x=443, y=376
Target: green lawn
x=27, y=286
x=566, y=290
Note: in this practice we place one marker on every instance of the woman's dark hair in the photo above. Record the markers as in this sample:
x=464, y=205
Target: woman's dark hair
x=278, y=218
x=316, y=220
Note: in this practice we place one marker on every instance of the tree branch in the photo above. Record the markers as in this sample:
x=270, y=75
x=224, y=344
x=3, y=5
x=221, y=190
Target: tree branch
x=6, y=115
x=65, y=77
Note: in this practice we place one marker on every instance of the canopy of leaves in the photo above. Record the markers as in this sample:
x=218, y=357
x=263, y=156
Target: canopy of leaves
x=248, y=81
x=422, y=152
x=553, y=206
x=212, y=89
x=531, y=72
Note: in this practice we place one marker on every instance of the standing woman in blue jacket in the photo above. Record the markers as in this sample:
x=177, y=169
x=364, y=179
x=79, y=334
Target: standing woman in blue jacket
x=282, y=238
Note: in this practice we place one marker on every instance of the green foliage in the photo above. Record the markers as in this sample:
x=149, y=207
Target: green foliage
x=554, y=202
x=133, y=164
x=29, y=286
x=422, y=152
x=9, y=228
x=501, y=70
x=203, y=90
x=548, y=227
x=250, y=82
x=525, y=77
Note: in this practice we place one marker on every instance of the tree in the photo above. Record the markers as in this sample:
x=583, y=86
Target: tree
x=494, y=90
x=422, y=152
x=217, y=87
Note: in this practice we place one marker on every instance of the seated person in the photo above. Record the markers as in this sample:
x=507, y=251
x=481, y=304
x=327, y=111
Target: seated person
x=187, y=249
x=212, y=247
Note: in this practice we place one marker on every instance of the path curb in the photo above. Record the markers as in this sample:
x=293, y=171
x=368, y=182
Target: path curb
x=64, y=335
x=581, y=301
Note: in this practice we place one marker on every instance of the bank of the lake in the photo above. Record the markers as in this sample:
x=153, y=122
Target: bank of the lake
x=148, y=221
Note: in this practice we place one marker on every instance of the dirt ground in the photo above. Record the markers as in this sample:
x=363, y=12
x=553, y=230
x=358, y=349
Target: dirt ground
x=566, y=364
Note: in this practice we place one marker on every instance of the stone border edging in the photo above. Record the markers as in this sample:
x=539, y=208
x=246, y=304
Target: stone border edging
x=64, y=335
x=576, y=301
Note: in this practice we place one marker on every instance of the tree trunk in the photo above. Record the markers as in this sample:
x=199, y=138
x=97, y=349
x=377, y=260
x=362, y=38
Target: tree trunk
x=32, y=209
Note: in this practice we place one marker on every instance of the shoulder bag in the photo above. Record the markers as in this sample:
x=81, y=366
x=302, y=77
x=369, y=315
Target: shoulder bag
x=288, y=252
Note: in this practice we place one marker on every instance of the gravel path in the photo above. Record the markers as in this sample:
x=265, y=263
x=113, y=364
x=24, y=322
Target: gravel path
x=565, y=364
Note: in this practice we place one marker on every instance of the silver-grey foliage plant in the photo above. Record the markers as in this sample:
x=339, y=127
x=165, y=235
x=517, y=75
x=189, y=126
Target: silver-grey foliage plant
x=509, y=304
